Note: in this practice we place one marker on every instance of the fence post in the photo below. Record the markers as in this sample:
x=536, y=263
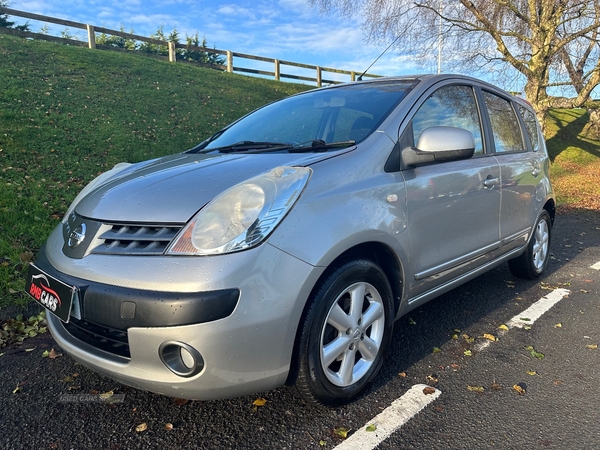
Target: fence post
x=172, y=52
x=277, y=70
x=91, y=36
x=319, y=76
x=229, y=61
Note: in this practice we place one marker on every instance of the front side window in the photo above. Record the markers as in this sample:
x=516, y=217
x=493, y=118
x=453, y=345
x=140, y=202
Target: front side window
x=505, y=126
x=450, y=106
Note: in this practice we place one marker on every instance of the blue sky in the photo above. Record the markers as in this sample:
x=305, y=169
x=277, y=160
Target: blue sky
x=284, y=29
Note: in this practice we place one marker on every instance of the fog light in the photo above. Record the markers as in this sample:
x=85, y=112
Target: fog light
x=181, y=359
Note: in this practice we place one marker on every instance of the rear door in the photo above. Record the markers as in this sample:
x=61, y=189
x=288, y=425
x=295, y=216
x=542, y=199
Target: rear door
x=520, y=168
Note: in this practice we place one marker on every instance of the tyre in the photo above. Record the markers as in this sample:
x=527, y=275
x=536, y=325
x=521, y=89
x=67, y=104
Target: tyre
x=346, y=331
x=533, y=262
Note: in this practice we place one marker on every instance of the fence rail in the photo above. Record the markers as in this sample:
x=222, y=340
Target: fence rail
x=277, y=73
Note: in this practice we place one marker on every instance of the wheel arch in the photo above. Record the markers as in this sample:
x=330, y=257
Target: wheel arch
x=378, y=253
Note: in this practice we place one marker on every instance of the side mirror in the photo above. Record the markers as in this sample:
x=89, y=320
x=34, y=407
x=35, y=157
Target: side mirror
x=439, y=144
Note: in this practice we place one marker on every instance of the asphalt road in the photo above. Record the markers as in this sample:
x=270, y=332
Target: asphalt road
x=478, y=407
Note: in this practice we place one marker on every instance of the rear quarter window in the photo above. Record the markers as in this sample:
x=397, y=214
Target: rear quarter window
x=531, y=128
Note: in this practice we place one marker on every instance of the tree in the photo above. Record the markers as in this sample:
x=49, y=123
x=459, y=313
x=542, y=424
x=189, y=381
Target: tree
x=117, y=41
x=190, y=54
x=5, y=23
x=552, y=46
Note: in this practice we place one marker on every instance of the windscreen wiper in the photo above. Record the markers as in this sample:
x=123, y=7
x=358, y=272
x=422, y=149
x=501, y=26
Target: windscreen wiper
x=320, y=145
x=250, y=147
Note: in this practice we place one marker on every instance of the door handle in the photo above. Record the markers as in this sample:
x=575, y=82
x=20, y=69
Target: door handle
x=489, y=182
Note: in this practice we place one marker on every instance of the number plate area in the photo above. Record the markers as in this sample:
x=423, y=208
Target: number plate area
x=54, y=295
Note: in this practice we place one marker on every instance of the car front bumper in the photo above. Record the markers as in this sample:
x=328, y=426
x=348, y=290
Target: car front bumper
x=242, y=319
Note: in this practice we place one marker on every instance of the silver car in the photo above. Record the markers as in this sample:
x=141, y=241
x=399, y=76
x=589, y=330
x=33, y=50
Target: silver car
x=282, y=249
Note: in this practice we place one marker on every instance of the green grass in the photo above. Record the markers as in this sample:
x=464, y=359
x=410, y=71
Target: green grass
x=575, y=155
x=70, y=113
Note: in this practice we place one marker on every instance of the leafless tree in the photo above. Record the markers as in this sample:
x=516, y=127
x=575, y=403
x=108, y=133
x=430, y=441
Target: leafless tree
x=551, y=45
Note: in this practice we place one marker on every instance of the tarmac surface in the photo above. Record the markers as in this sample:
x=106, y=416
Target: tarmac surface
x=479, y=406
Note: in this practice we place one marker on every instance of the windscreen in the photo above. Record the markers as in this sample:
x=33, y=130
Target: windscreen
x=346, y=113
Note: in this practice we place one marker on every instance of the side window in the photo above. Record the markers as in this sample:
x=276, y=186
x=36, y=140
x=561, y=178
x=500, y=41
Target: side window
x=450, y=106
x=531, y=127
x=505, y=126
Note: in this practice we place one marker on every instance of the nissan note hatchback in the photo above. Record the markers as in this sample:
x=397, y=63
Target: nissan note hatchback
x=283, y=248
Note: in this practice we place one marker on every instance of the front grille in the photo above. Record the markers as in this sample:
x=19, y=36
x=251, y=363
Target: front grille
x=136, y=239
x=104, y=338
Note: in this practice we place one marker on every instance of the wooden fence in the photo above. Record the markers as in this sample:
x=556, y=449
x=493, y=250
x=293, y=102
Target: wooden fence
x=172, y=48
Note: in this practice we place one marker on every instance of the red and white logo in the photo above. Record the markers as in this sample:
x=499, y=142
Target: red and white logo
x=40, y=290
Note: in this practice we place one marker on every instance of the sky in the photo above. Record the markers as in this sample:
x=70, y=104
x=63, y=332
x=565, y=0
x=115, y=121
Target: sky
x=289, y=30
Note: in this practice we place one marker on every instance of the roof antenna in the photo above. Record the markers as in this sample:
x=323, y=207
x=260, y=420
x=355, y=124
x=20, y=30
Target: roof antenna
x=376, y=59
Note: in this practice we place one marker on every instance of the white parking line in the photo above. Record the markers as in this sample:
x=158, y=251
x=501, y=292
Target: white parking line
x=390, y=419
x=410, y=404
x=596, y=266
x=535, y=311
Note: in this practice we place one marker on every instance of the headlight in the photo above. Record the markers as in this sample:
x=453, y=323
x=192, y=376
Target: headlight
x=242, y=216
x=100, y=179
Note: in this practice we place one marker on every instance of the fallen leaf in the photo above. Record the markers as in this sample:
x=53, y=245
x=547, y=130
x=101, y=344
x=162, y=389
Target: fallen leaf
x=476, y=388
x=371, y=428
x=168, y=426
x=141, y=427
x=17, y=390
x=342, y=432
x=30, y=349
x=503, y=327
x=490, y=337
x=259, y=402
x=455, y=336
x=592, y=346
x=519, y=389
x=525, y=319
x=322, y=443
x=436, y=350
x=531, y=372
x=455, y=366
x=402, y=374
x=45, y=353
x=53, y=354
x=468, y=353
x=107, y=395
x=428, y=390
x=496, y=386
x=180, y=401
x=68, y=379
x=411, y=321
x=433, y=378
x=557, y=382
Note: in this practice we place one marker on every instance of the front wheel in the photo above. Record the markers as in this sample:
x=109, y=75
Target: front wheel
x=533, y=262
x=346, y=331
